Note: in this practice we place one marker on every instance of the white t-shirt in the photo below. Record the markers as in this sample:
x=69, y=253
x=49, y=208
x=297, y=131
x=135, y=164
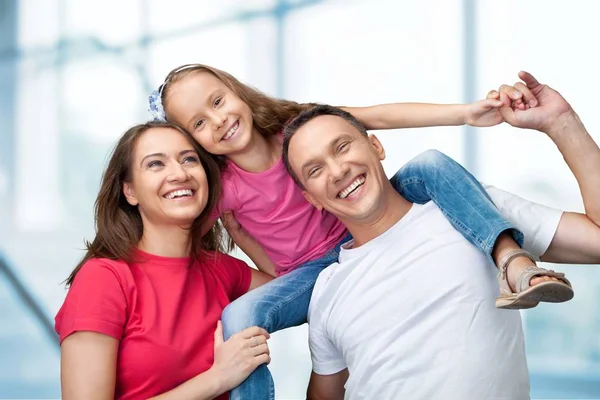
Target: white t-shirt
x=411, y=313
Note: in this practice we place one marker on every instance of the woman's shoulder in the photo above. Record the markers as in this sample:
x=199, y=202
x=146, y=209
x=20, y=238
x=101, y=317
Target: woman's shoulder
x=105, y=268
x=210, y=257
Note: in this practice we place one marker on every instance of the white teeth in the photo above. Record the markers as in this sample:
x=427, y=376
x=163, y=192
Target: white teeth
x=231, y=131
x=352, y=187
x=178, y=193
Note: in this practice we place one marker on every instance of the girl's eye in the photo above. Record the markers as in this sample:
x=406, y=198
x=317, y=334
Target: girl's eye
x=190, y=159
x=199, y=123
x=218, y=101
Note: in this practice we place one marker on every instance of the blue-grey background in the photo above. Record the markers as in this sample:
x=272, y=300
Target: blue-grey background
x=74, y=74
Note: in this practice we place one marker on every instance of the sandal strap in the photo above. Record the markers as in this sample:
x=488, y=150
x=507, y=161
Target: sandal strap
x=523, y=282
x=508, y=257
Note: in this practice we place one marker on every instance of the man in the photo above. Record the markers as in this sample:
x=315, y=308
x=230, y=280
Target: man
x=408, y=312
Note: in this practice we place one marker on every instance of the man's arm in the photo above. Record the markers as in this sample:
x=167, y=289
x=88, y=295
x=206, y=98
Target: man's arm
x=577, y=239
x=327, y=387
x=418, y=115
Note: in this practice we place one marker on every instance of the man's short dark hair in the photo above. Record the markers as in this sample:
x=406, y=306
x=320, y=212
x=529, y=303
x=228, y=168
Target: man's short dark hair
x=292, y=127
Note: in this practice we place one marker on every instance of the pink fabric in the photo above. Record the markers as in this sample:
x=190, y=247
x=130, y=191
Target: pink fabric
x=270, y=207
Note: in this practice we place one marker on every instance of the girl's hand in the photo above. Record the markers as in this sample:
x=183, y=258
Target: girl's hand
x=239, y=356
x=484, y=113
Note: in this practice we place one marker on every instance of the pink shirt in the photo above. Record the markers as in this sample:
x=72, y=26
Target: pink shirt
x=271, y=208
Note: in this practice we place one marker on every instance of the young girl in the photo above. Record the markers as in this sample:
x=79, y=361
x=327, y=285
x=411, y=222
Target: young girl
x=140, y=316
x=241, y=127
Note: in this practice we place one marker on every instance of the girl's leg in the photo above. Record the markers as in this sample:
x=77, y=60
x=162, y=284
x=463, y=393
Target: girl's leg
x=279, y=304
x=460, y=196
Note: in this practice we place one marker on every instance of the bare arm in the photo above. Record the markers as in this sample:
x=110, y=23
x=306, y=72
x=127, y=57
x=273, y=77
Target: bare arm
x=248, y=245
x=82, y=379
x=577, y=239
x=257, y=254
x=327, y=387
x=418, y=115
x=259, y=278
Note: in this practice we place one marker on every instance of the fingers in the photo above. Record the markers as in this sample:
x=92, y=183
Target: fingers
x=262, y=359
x=260, y=349
x=256, y=341
x=253, y=331
x=529, y=79
x=512, y=93
x=493, y=94
x=218, y=334
x=528, y=97
x=505, y=99
x=491, y=103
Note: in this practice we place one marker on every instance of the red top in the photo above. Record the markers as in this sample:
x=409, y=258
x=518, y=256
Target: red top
x=162, y=310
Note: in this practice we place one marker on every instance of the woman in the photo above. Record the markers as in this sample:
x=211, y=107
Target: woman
x=141, y=318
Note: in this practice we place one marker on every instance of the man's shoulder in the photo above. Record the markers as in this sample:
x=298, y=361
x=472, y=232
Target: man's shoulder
x=322, y=291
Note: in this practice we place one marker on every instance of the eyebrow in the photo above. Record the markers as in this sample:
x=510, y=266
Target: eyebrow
x=181, y=153
x=332, y=146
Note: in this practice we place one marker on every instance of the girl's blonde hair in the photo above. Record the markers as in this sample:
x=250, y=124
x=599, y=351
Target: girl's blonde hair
x=269, y=114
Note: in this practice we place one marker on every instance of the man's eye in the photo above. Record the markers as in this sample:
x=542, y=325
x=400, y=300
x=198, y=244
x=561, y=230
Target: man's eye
x=343, y=146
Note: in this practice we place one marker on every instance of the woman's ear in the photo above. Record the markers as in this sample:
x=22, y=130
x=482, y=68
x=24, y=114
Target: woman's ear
x=129, y=194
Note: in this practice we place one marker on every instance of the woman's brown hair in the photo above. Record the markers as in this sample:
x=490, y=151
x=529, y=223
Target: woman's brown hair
x=119, y=224
x=268, y=113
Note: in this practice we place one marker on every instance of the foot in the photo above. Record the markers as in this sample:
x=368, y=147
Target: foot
x=524, y=285
x=516, y=268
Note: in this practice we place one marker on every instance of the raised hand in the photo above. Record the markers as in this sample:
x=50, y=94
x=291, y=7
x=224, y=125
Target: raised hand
x=237, y=357
x=530, y=104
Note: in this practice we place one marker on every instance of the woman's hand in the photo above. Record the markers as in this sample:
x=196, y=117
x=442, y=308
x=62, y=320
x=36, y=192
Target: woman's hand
x=239, y=356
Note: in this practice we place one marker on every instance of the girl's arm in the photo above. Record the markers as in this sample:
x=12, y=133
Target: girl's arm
x=250, y=247
x=418, y=115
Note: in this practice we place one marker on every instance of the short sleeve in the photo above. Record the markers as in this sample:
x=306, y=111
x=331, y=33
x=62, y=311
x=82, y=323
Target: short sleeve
x=228, y=199
x=95, y=302
x=537, y=222
x=326, y=358
x=236, y=275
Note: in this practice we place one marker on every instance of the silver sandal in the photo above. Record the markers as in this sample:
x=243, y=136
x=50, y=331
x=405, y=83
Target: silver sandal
x=528, y=296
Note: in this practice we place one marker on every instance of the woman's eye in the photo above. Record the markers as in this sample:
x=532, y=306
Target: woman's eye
x=190, y=159
x=313, y=171
x=343, y=146
x=154, y=164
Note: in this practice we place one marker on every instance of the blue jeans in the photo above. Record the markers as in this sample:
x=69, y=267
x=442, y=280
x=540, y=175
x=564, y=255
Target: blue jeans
x=283, y=302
